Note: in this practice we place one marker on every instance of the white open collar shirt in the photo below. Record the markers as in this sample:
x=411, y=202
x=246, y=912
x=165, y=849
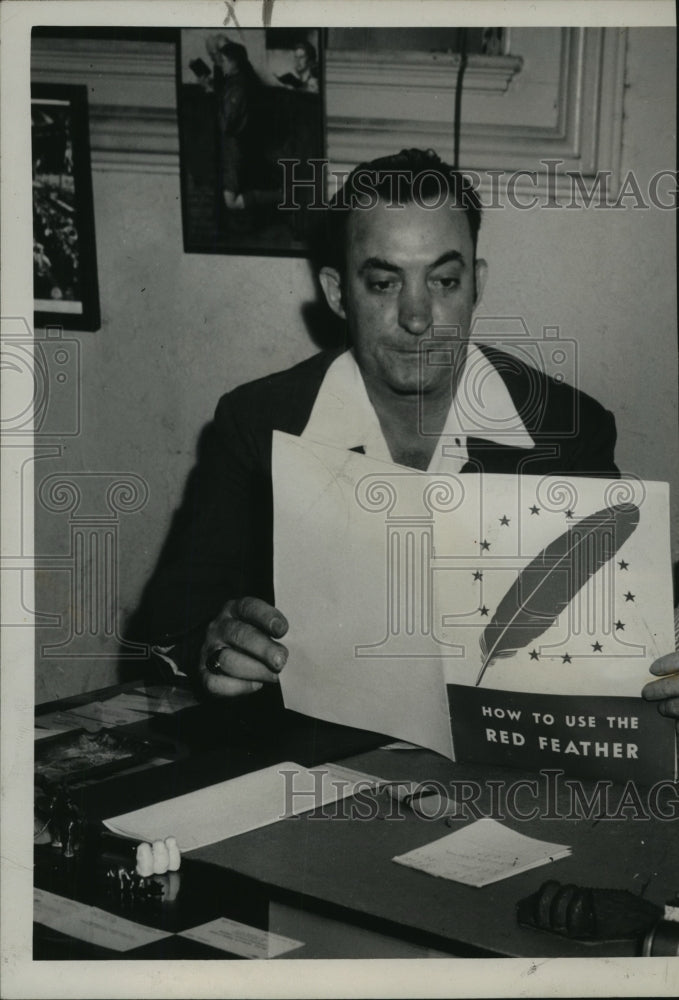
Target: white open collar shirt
x=344, y=417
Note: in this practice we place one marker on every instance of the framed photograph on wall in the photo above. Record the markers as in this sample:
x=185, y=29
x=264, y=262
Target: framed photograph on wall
x=248, y=101
x=65, y=286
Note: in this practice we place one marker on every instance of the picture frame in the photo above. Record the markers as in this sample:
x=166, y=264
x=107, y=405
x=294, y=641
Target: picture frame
x=249, y=99
x=65, y=281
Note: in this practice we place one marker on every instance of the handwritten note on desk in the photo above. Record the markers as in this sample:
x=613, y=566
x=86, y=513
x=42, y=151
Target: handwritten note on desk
x=89, y=923
x=240, y=939
x=482, y=853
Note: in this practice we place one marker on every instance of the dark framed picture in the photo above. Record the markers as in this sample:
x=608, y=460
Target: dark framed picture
x=251, y=130
x=65, y=285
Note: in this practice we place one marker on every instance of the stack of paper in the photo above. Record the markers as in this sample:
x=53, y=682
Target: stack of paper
x=481, y=853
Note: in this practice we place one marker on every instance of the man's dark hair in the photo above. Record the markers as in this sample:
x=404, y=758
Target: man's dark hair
x=412, y=175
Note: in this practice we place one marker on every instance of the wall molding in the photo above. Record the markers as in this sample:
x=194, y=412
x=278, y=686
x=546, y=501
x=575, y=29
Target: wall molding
x=137, y=139
x=584, y=128
x=125, y=135
x=376, y=103
x=421, y=72
x=96, y=61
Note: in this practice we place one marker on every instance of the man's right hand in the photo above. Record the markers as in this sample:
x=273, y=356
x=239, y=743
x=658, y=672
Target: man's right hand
x=240, y=652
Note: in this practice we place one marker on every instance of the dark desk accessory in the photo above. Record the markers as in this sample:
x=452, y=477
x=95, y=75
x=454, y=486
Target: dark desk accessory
x=58, y=821
x=587, y=914
x=79, y=756
x=129, y=886
x=131, y=880
x=663, y=937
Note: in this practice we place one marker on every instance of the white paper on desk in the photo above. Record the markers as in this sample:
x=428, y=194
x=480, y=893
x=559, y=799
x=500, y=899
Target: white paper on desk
x=91, y=924
x=481, y=853
x=329, y=572
x=237, y=806
x=240, y=939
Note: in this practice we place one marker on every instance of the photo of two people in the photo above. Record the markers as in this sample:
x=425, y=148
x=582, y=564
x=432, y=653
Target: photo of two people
x=248, y=99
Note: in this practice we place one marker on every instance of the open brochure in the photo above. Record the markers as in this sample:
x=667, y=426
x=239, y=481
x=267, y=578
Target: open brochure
x=507, y=619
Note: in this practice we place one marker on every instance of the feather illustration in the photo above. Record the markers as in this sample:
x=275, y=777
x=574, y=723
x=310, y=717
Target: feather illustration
x=552, y=579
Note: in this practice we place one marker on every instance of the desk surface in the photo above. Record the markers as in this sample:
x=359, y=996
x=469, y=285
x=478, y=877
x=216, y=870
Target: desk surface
x=348, y=863
x=340, y=869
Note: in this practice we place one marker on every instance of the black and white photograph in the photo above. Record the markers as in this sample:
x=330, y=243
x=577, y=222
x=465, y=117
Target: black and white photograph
x=340, y=574
x=64, y=247
x=249, y=102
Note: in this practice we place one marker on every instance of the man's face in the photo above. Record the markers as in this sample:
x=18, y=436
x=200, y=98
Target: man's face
x=409, y=271
x=301, y=60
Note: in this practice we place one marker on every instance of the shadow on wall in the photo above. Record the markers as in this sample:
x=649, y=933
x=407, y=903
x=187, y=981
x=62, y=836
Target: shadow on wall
x=149, y=620
x=327, y=331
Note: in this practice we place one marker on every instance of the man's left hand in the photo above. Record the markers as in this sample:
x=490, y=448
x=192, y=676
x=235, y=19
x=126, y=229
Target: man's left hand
x=665, y=690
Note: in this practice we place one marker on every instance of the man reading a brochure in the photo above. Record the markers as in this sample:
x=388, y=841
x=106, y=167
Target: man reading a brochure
x=400, y=268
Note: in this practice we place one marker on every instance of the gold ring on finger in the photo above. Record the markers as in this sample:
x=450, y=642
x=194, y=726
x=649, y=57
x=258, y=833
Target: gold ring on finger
x=212, y=661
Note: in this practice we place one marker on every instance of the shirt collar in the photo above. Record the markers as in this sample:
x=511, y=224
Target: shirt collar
x=344, y=417
x=483, y=407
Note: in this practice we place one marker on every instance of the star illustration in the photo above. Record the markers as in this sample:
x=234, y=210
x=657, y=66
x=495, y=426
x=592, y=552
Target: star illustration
x=619, y=624
x=504, y=519
x=569, y=514
x=484, y=610
x=565, y=658
x=597, y=647
x=534, y=654
x=534, y=510
x=478, y=575
x=485, y=546
x=622, y=564
x=629, y=596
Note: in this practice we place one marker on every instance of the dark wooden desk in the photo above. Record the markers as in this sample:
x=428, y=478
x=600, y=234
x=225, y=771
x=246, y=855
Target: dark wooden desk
x=348, y=863
x=317, y=876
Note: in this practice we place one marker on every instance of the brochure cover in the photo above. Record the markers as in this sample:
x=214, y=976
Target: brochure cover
x=491, y=618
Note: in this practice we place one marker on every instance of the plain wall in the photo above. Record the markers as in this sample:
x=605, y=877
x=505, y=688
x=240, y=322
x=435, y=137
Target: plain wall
x=607, y=278
x=180, y=329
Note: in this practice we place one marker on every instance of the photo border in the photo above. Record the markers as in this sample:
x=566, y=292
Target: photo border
x=21, y=977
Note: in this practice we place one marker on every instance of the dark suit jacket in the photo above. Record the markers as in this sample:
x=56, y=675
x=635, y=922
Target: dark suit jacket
x=221, y=542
